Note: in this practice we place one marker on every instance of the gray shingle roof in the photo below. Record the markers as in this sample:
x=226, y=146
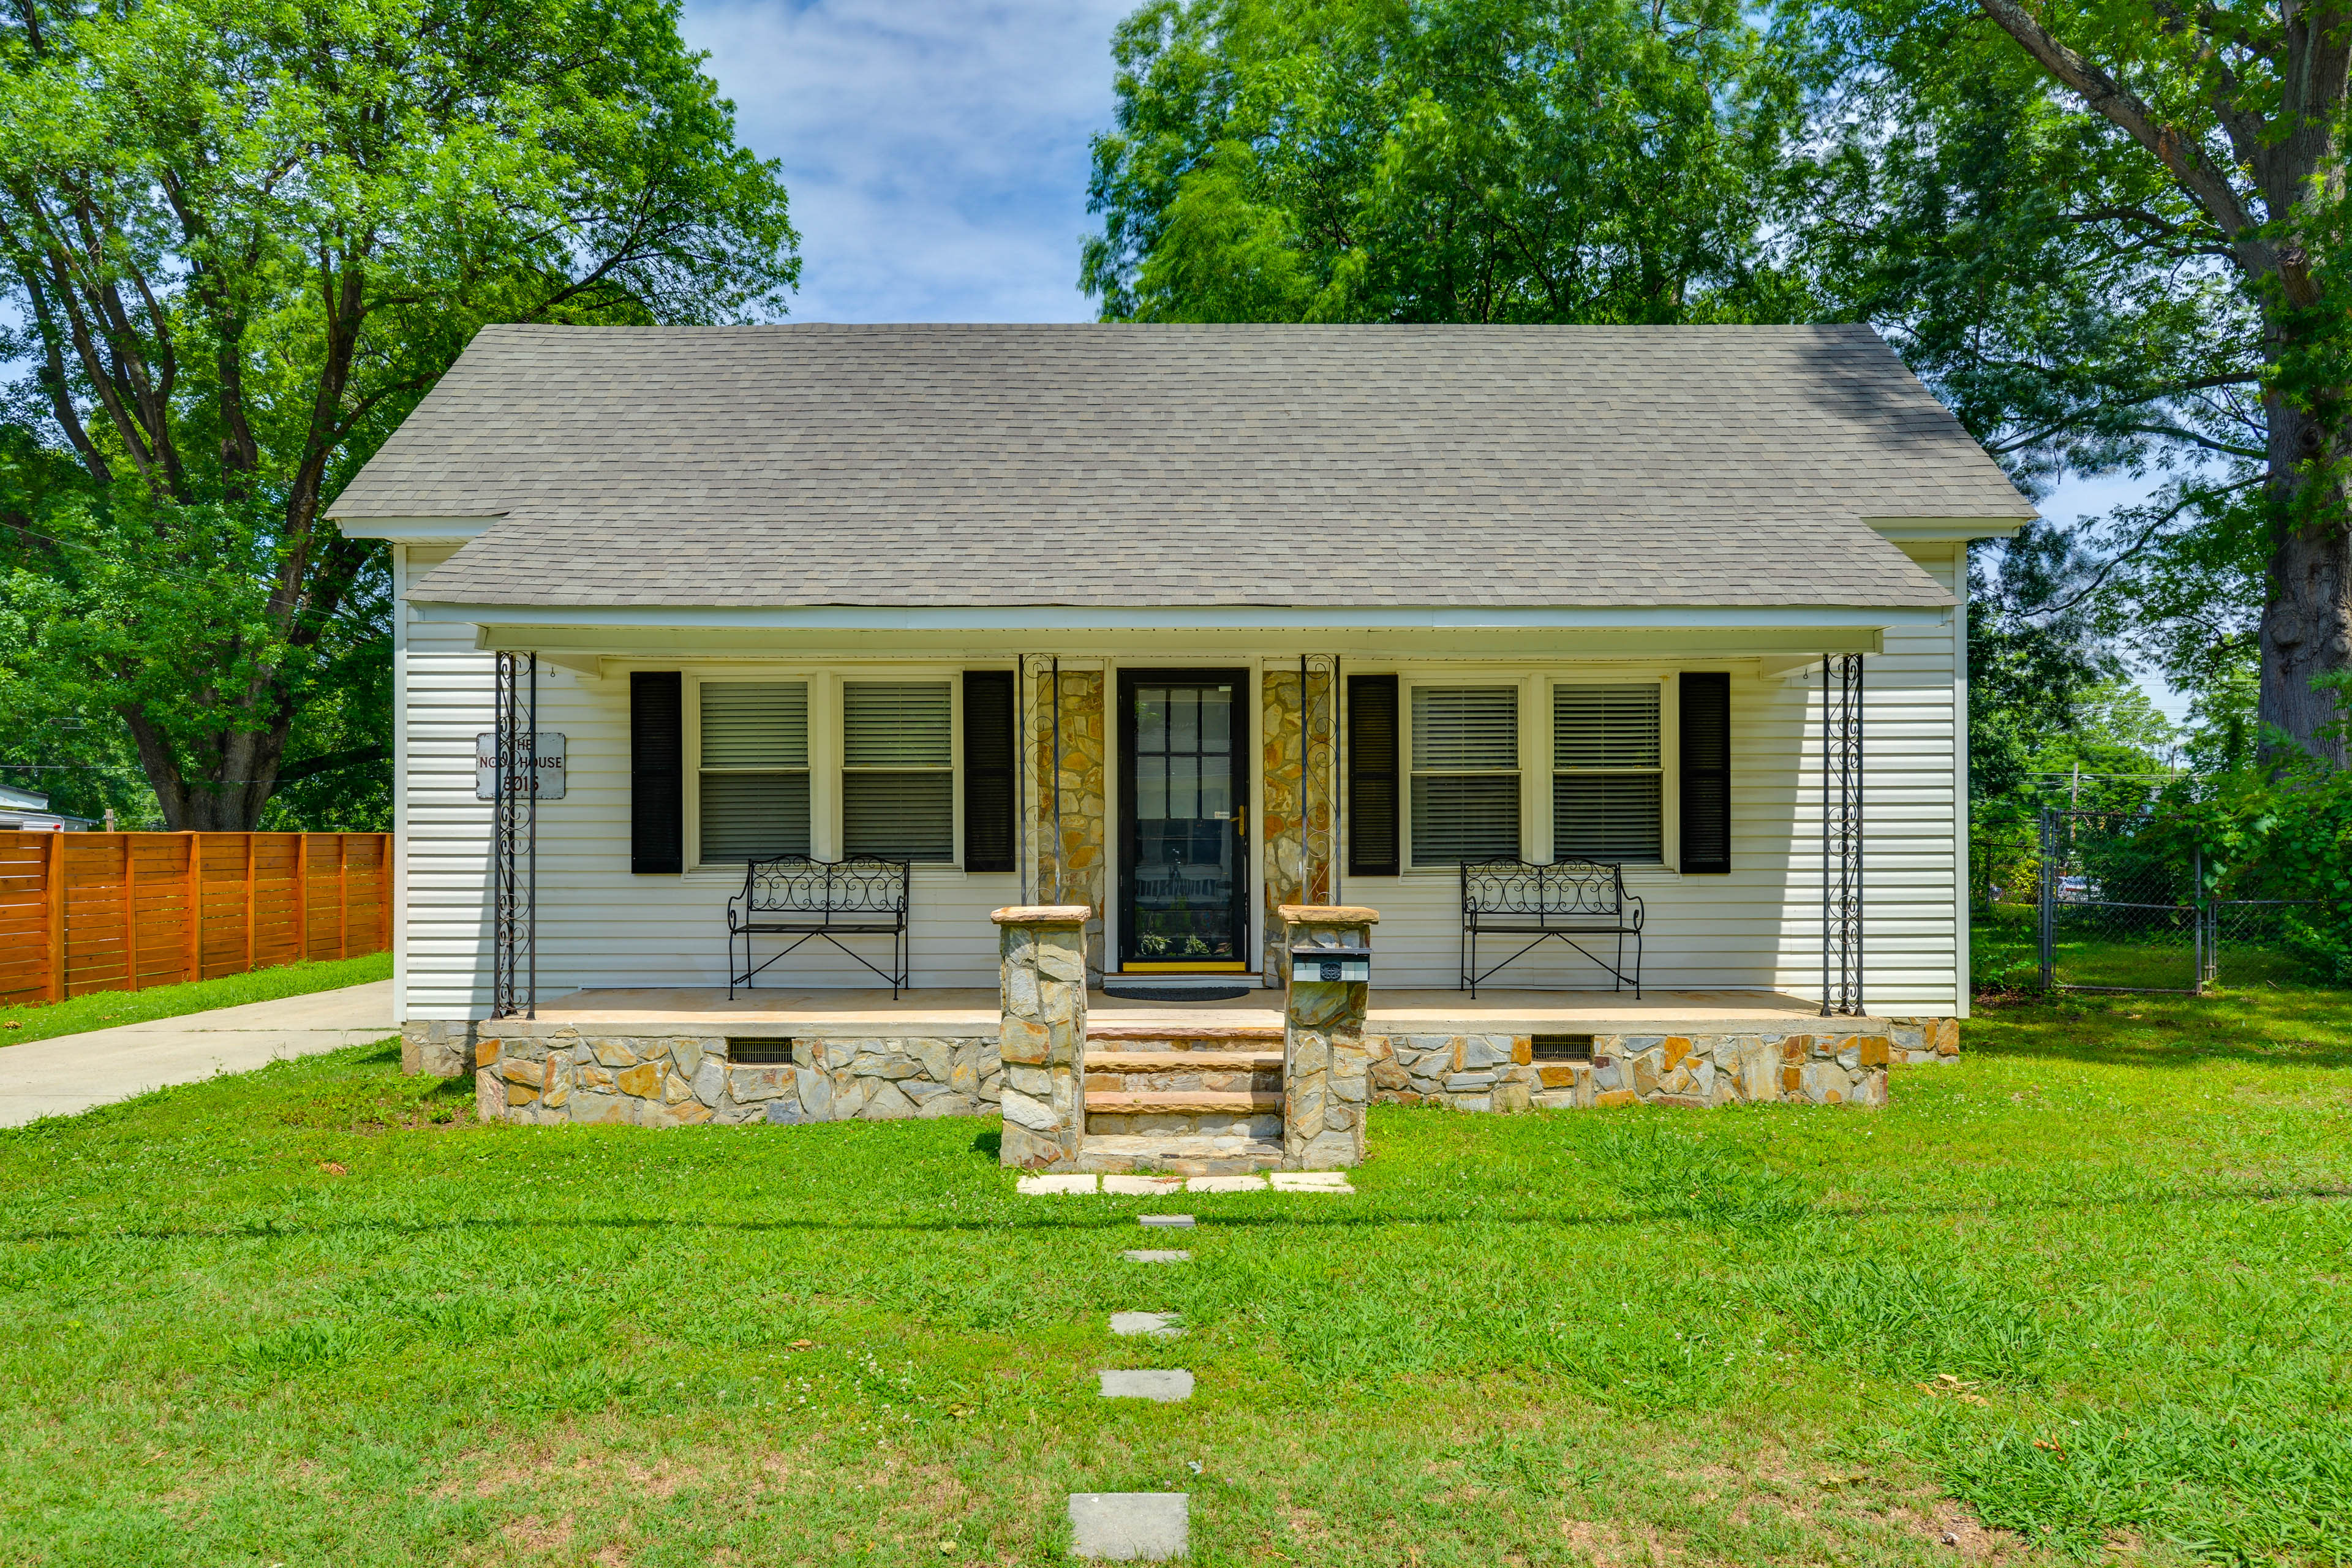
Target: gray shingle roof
x=1179, y=466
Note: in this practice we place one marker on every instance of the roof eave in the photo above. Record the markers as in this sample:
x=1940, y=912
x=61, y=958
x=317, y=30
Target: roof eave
x=1930, y=530
x=1190, y=618
x=416, y=529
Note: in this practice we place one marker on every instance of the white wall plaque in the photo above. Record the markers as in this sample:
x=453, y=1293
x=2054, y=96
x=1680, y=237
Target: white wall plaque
x=550, y=765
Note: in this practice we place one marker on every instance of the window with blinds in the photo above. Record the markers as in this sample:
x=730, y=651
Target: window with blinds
x=898, y=769
x=755, y=769
x=1608, y=781
x=1466, y=774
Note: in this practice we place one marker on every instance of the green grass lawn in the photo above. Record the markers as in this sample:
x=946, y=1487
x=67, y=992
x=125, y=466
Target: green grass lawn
x=108, y=1009
x=2082, y=1297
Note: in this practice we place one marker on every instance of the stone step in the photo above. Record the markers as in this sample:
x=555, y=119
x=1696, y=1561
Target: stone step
x=1171, y=1385
x=1184, y=1061
x=1152, y=1325
x=1130, y=1527
x=1180, y=1101
x=1112, y=1086
x=1179, y=1153
x=1185, y=1031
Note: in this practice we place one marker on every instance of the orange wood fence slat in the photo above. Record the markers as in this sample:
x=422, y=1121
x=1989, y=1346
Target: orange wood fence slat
x=117, y=911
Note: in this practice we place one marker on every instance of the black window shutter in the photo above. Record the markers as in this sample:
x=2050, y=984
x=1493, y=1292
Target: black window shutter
x=1373, y=846
x=656, y=771
x=1705, y=736
x=988, y=761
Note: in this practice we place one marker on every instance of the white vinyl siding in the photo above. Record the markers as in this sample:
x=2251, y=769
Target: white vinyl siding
x=753, y=789
x=1607, y=782
x=898, y=769
x=1757, y=928
x=599, y=924
x=1466, y=774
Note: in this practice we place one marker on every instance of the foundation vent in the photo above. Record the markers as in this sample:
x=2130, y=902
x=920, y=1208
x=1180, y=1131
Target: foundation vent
x=1563, y=1047
x=760, y=1053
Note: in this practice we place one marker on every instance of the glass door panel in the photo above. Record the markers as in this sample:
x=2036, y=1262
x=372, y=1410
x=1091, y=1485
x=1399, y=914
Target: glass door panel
x=1183, y=834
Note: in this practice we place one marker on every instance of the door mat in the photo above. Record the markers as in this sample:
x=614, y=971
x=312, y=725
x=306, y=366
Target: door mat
x=1177, y=992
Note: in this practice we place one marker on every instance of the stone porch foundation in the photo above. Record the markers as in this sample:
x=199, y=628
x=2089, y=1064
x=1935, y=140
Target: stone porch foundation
x=547, y=1071
x=1838, y=1066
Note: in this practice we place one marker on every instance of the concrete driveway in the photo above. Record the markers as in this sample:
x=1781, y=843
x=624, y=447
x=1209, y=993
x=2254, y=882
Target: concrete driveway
x=74, y=1072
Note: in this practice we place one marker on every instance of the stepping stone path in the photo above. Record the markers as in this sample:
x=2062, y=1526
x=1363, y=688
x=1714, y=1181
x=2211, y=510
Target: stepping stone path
x=1166, y=1387
x=1035, y=1187
x=1150, y=1527
x=1130, y=1527
x=1143, y=1186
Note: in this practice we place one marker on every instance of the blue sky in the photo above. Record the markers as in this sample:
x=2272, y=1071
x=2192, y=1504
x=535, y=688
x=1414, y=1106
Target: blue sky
x=935, y=153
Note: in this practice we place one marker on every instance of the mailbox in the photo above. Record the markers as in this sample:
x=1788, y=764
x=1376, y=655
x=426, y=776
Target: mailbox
x=1331, y=964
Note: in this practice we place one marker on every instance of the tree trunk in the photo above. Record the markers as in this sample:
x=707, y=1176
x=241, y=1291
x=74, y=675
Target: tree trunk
x=2307, y=626
x=242, y=781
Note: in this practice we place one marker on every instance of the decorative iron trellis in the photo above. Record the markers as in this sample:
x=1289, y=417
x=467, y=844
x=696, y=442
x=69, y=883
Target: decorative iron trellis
x=514, y=836
x=1841, y=833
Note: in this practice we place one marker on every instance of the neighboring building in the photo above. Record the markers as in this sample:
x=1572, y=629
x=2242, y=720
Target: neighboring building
x=1546, y=591
x=27, y=811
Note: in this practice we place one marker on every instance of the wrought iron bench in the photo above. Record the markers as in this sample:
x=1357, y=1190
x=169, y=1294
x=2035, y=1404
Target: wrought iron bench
x=1568, y=899
x=792, y=895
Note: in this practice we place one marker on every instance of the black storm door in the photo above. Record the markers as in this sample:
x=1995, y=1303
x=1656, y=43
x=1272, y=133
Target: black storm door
x=1184, y=819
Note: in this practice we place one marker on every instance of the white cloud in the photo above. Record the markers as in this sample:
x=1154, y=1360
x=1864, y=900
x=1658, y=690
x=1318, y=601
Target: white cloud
x=935, y=153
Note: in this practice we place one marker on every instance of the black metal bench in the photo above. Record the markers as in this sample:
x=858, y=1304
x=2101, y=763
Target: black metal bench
x=1568, y=899
x=792, y=895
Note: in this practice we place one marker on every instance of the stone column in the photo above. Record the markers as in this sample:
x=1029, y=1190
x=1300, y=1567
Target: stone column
x=1294, y=807
x=1072, y=865
x=1325, y=1071
x=1041, y=975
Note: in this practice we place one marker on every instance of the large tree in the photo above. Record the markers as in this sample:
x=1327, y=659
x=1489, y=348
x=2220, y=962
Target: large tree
x=1443, y=161
x=2113, y=237
x=239, y=242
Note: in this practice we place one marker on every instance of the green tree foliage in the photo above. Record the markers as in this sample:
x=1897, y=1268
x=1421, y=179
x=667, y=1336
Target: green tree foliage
x=1594, y=161
x=2282, y=834
x=239, y=242
x=2110, y=236
x=2032, y=668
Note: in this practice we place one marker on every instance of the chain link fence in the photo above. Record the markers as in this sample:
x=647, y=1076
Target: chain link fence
x=2120, y=907
x=2247, y=939
x=2124, y=904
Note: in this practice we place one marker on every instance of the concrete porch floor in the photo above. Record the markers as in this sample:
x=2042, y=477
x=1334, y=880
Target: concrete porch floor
x=967, y=1012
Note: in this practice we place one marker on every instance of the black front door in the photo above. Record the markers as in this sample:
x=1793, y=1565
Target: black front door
x=1184, y=819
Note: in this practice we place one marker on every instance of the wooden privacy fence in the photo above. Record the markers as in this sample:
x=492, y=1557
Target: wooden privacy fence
x=118, y=911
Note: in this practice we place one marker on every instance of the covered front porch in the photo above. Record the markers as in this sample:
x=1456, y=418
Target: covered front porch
x=1184, y=804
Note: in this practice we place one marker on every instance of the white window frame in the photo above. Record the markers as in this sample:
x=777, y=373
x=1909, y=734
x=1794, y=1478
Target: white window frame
x=824, y=749
x=839, y=716
x=1669, y=761
x=690, y=724
x=1407, y=770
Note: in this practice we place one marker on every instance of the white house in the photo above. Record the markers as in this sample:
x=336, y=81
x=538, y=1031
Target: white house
x=1044, y=611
